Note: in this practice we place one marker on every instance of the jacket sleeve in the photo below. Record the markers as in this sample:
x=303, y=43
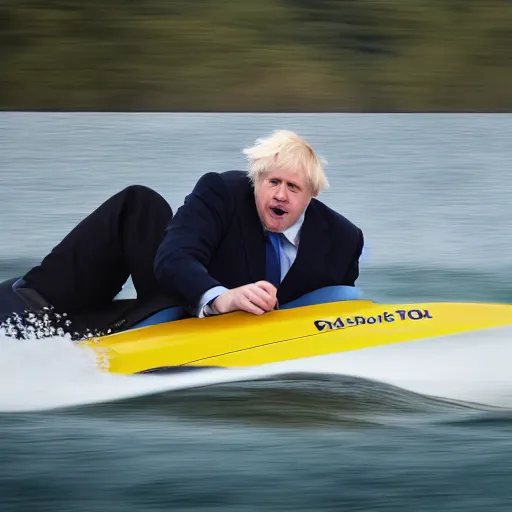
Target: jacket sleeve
x=353, y=270
x=190, y=239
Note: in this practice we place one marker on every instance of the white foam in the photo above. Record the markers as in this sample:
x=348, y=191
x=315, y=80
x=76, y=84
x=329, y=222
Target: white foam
x=472, y=367
x=55, y=373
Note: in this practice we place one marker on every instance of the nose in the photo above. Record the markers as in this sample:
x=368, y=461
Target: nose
x=281, y=192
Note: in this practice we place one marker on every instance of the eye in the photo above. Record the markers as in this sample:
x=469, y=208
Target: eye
x=293, y=186
x=274, y=181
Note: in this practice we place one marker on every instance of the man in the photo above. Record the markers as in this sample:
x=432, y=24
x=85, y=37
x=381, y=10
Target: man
x=213, y=256
x=241, y=241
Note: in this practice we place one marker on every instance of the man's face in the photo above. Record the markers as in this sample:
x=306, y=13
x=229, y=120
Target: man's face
x=281, y=197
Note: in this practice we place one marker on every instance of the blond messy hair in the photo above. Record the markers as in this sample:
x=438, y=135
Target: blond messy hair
x=285, y=148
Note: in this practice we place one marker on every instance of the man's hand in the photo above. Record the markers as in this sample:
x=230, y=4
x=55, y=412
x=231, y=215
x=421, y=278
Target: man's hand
x=256, y=298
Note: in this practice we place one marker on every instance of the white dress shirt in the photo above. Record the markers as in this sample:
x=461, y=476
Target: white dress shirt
x=288, y=246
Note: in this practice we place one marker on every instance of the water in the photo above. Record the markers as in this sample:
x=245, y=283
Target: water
x=432, y=195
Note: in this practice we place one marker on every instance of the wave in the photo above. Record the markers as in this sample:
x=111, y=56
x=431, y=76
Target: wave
x=471, y=369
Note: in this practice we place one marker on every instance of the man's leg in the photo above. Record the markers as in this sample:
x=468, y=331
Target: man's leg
x=10, y=302
x=89, y=267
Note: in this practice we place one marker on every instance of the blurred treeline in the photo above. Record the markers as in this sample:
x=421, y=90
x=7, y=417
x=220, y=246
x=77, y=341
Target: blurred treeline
x=256, y=55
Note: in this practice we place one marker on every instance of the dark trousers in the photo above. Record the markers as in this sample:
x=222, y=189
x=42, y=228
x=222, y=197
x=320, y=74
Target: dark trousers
x=88, y=268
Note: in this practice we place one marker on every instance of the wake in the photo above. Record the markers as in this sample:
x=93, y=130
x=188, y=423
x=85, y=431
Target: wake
x=43, y=374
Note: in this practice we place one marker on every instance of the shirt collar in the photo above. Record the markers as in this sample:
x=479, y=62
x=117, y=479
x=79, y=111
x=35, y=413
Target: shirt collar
x=292, y=233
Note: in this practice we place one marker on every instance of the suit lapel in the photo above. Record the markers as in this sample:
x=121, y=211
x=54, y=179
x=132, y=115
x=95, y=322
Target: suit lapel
x=253, y=237
x=313, y=246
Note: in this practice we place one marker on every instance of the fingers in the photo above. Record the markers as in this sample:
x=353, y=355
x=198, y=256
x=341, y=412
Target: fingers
x=256, y=298
x=259, y=297
x=268, y=287
x=241, y=299
x=246, y=304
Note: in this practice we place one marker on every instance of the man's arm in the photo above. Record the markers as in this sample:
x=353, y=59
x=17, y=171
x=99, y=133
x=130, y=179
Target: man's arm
x=190, y=239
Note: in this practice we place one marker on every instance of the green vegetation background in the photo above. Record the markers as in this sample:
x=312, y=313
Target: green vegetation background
x=256, y=55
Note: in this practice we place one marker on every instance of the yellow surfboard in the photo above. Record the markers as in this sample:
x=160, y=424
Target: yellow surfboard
x=241, y=339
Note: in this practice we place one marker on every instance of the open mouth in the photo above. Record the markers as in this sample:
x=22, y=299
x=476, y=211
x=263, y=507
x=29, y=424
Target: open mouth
x=278, y=211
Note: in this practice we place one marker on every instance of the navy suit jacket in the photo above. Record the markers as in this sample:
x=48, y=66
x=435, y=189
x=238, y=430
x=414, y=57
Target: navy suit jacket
x=216, y=238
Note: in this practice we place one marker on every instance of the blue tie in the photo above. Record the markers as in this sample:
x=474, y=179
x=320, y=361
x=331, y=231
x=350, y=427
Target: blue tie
x=273, y=268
